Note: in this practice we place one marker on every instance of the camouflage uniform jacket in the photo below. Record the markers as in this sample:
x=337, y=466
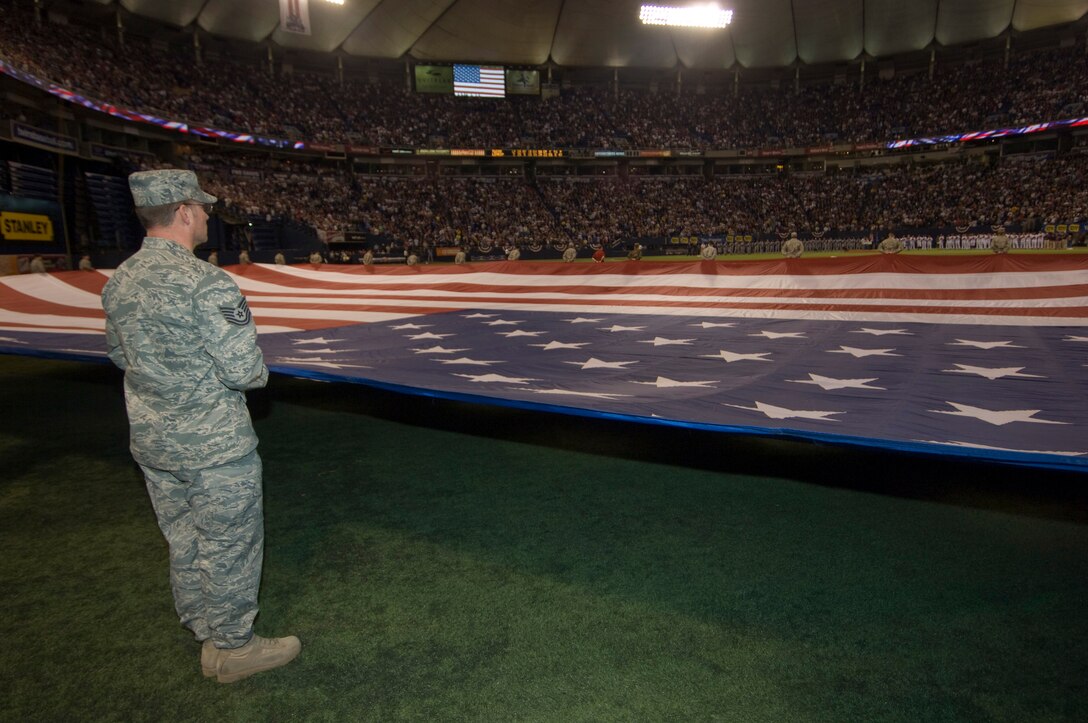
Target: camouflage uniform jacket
x=181, y=330
x=793, y=248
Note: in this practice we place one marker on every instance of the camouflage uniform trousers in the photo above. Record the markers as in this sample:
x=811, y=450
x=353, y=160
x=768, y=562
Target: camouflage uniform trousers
x=213, y=521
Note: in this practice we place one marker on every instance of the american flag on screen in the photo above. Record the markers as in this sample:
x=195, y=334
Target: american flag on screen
x=479, y=80
x=980, y=357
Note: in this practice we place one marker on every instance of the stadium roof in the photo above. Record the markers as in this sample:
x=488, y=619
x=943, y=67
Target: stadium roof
x=607, y=33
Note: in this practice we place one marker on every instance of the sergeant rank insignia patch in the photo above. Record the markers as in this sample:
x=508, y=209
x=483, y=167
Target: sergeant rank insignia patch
x=239, y=315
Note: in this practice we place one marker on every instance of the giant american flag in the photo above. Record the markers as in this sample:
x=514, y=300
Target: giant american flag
x=968, y=356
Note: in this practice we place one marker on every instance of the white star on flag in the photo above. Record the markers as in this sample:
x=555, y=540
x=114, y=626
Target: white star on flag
x=503, y=322
x=714, y=324
x=569, y=393
x=427, y=335
x=519, y=332
x=781, y=335
x=985, y=344
x=881, y=332
x=471, y=362
x=662, y=341
x=1075, y=338
x=730, y=356
x=617, y=327
x=992, y=373
x=666, y=383
x=859, y=353
x=479, y=316
x=582, y=320
x=399, y=327
x=489, y=378
x=782, y=413
x=317, y=340
x=593, y=363
x=561, y=345
x=829, y=383
x=437, y=350
x=996, y=417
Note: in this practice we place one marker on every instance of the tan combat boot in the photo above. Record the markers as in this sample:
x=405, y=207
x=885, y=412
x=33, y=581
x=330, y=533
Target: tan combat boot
x=256, y=656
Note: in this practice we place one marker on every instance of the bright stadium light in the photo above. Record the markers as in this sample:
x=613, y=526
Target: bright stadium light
x=709, y=15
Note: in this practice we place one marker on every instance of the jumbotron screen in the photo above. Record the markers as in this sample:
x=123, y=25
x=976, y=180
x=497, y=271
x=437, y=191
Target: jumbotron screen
x=479, y=81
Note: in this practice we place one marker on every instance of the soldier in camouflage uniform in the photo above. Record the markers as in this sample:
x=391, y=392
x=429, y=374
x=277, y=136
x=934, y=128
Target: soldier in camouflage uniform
x=182, y=332
x=890, y=244
x=793, y=248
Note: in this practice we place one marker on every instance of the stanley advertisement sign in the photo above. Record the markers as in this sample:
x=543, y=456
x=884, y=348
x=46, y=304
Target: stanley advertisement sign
x=16, y=226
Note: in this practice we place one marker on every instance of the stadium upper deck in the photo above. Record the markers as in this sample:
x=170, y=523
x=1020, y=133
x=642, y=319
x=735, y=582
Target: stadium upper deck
x=243, y=95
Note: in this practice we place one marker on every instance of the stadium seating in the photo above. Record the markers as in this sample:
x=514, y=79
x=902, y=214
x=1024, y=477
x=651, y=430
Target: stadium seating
x=112, y=203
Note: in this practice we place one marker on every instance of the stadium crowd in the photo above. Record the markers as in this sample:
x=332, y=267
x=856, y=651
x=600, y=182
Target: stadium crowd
x=486, y=211
x=1026, y=194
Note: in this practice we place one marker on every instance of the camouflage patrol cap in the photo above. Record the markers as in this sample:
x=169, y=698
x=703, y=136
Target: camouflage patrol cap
x=171, y=185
